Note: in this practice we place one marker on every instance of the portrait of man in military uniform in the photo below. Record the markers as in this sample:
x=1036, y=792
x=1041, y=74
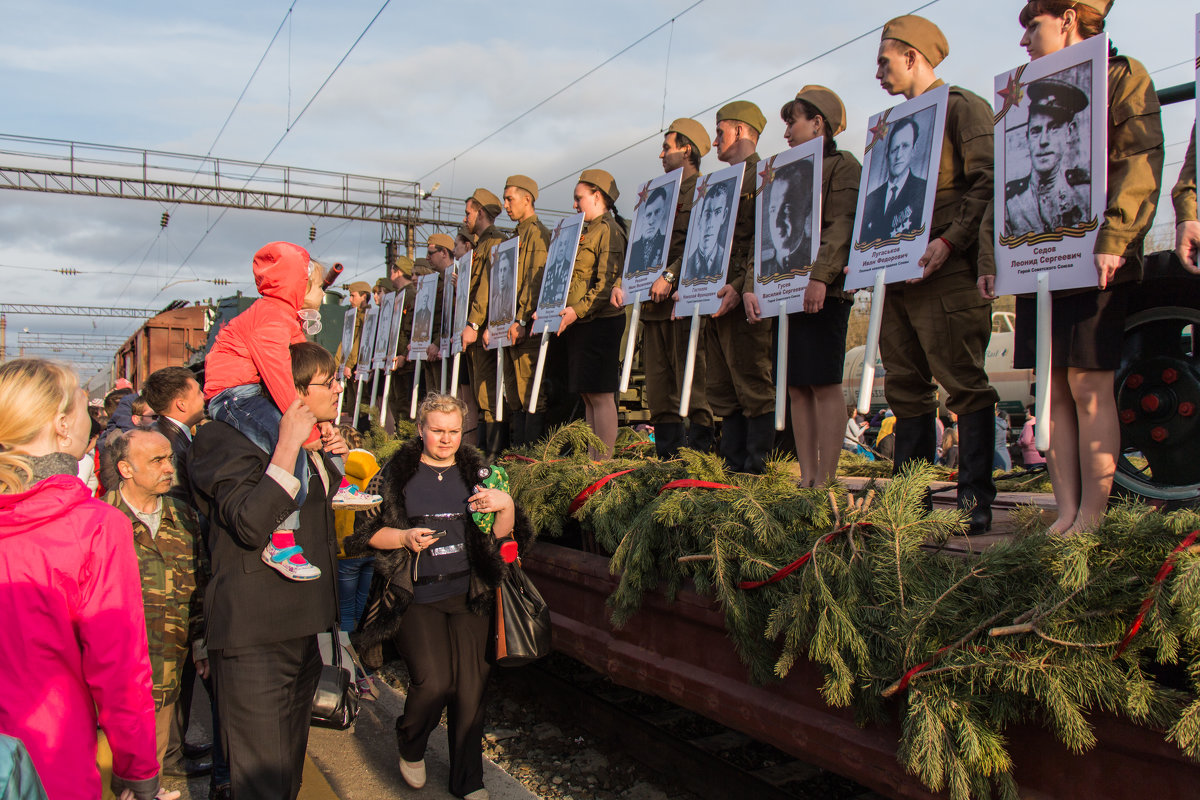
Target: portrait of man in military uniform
x=787, y=223
x=504, y=296
x=557, y=275
x=422, y=325
x=649, y=246
x=704, y=261
x=897, y=204
x=1055, y=194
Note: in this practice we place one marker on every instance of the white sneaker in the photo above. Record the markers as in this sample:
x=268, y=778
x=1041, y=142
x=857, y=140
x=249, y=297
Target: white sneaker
x=413, y=772
x=281, y=561
x=478, y=794
x=352, y=497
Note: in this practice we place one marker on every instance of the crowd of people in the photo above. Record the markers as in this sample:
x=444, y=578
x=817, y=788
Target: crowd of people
x=143, y=547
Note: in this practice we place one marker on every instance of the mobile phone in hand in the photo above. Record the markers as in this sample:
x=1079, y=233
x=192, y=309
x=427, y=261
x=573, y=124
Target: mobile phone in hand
x=437, y=534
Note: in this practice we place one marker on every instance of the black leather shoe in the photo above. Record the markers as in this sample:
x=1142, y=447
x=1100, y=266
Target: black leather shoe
x=196, y=751
x=188, y=768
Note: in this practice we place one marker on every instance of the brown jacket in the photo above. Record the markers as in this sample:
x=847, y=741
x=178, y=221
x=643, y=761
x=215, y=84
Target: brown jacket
x=840, y=175
x=741, y=252
x=598, y=266
x=481, y=264
x=652, y=311
x=1184, y=193
x=531, y=263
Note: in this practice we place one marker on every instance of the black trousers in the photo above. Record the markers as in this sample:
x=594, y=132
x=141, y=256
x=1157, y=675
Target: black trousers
x=264, y=695
x=445, y=647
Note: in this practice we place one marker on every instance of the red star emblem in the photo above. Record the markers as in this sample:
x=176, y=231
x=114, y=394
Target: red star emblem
x=641, y=195
x=767, y=173
x=558, y=227
x=702, y=188
x=1013, y=93
x=878, y=132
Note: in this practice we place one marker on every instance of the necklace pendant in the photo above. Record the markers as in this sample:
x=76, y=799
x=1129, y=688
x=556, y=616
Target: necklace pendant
x=439, y=477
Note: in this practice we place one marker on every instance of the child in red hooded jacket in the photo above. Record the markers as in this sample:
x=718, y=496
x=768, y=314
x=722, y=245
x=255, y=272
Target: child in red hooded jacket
x=251, y=352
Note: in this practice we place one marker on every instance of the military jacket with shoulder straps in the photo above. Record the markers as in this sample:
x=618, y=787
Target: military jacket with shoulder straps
x=652, y=311
x=741, y=252
x=840, y=174
x=531, y=264
x=1184, y=193
x=598, y=267
x=481, y=264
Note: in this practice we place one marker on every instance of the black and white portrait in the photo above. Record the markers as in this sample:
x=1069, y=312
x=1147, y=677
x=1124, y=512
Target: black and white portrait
x=709, y=233
x=899, y=171
x=503, y=300
x=787, y=221
x=650, y=235
x=560, y=261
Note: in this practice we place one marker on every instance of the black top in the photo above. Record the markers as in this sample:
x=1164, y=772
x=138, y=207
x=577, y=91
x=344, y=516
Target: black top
x=443, y=570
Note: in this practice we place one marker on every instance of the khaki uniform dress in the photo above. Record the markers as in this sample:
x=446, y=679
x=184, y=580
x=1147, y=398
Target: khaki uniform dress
x=939, y=329
x=483, y=362
x=520, y=361
x=400, y=389
x=592, y=349
x=740, y=357
x=1184, y=193
x=665, y=340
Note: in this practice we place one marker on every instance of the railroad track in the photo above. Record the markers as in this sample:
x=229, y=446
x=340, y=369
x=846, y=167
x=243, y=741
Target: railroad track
x=688, y=751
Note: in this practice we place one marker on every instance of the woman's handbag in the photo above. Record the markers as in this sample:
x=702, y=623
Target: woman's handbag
x=522, y=620
x=335, y=703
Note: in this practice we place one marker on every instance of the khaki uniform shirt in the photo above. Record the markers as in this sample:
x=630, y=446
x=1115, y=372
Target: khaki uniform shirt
x=657, y=312
x=741, y=252
x=409, y=300
x=598, y=267
x=481, y=264
x=1184, y=193
x=840, y=175
x=531, y=264
x=360, y=314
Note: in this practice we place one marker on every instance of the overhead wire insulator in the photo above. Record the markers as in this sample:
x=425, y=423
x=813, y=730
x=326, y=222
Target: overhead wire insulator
x=219, y=281
x=312, y=233
x=67, y=271
x=166, y=217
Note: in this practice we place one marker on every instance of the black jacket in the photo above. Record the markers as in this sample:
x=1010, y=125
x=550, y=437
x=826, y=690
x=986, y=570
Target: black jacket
x=180, y=444
x=903, y=214
x=248, y=603
x=392, y=588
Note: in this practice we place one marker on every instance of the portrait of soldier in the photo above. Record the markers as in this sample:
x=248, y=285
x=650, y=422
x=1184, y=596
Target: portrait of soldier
x=422, y=325
x=650, y=246
x=705, y=260
x=505, y=297
x=558, y=272
x=1053, y=195
x=897, y=205
x=787, y=221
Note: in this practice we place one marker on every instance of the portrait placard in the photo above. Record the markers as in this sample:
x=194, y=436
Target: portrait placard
x=366, y=343
x=502, y=292
x=347, y=336
x=896, y=195
x=423, y=306
x=446, y=334
x=788, y=221
x=556, y=278
x=653, y=221
x=709, y=236
x=1051, y=168
x=462, y=300
x=384, y=332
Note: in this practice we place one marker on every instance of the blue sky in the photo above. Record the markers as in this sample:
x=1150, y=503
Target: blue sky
x=425, y=83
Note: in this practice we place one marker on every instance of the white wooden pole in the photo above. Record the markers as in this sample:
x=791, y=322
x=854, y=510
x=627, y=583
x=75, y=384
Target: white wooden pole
x=412, y=413
x=781, y=357
x=689, y=368
x=538, y=370
x=499, y=412
x=871, y=351
x=454, y=376
x=1041, y=428
x=629, y=342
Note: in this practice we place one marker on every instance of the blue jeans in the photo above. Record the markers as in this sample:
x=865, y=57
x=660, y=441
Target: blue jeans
x=354, y=583
x=257, y=418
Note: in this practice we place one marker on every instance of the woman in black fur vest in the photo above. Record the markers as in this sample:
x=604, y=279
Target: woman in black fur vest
x=435, y=583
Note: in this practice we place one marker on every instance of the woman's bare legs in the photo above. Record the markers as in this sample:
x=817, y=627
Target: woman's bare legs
x=804, y=428
x=1062, y=459
x=601, y=413
x=1099, y=439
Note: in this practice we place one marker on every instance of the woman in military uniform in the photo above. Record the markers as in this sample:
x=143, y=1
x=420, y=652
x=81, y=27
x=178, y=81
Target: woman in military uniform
x=1088, y=324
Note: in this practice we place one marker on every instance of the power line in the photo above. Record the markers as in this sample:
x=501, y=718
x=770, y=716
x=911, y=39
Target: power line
x=759, y=85
x=555, y=94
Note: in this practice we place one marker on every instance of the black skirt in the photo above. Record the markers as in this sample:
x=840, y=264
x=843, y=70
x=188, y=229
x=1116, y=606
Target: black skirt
x=817, y=344
x=1087, y=329
x=594, y=355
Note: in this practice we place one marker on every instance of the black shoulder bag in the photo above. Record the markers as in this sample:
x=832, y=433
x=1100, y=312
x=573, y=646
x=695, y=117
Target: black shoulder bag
x=522, y=619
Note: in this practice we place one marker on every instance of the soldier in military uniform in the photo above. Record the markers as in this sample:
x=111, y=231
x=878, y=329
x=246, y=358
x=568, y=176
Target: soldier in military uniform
x=938, y=327
x=665, y=340
x=520, y=357
x=1187, y=229
x=360, y=299
x=482, y=209
x=741, y=386
x=399, y=400
x=706, y=262
x=788, y=221
x=1052, y=196
x=649, y=248
x=171, y=561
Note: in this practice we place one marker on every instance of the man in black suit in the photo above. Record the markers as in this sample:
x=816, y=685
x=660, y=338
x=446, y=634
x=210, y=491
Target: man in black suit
x=262, y=628
x=174, y=394
x=897, y=206
x=706, y=262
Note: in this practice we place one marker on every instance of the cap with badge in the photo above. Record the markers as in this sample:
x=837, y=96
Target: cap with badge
x=359, y=286
x=523, y=182
x=441, y=240
x=404, y=265
x=602, y=181
x=1056, y=99
x=695, y=133
x=421, y=266
x=385, y=284
x=743, y=111
x=487, y=201
x=828, y=103
x=919, y=34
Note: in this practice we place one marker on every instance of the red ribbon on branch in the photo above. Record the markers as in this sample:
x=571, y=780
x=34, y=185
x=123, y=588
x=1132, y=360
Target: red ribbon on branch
x=792, y=567
x=582, y=497
x=1163, y=571
x=902, y=684
x=692, y=483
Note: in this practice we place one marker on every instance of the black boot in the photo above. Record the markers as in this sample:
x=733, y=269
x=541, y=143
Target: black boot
x=760, y=441
x=517, y=428
x=668, y=438
x=481, y=433
x=701, y=437
x=535, y=427
x=733, y=441
x=916, y=440
x=976, y=449
x=497, y=440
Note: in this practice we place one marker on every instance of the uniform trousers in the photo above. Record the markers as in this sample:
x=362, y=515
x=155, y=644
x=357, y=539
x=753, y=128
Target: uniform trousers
x=445, y=646
x=739, y=365
x=936, y=331
x=520, y=362
x=265, y=694
x=664, y=359
x=483, y=379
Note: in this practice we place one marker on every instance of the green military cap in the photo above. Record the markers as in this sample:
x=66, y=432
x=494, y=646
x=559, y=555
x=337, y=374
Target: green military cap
x=441, y=240
x=385, y=284
x=919, y=34
x=602, y=181
x=488, y=201
x=828, y=103
x=523, y=182
x=743, y=111
x=421, y=266
x=695, y=133
x=1055, y=99
x=359, y=286
x=466, y=234
x=404, y=264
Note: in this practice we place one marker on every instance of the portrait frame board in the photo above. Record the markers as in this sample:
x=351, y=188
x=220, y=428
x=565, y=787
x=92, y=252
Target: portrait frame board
x=366, y=343
x=384, y=334
x=777, y=282
x=446, y=334
x=556, y=278
x=703, y=274
x=502, y=303
x=892, y=231
x=348, y=320
x=462, y=300
x=645, y=263
x=1026, y=243
x=423, y=308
